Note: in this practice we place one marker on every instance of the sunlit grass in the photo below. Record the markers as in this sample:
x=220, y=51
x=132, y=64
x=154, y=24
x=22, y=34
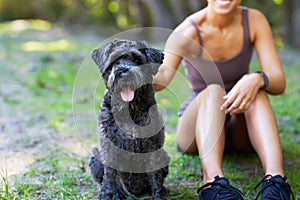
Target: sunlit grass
x=57, y=45
x=18, y=26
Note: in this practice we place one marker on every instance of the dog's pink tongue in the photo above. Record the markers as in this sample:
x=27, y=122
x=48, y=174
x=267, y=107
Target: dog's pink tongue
x=127, y=94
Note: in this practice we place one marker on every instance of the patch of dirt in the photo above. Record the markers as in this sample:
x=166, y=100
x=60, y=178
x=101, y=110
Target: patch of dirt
x=14, y=136
x=24, y=136
x=21, y=144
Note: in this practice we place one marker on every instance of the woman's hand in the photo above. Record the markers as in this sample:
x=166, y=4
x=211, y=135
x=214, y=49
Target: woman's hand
x=242, y=94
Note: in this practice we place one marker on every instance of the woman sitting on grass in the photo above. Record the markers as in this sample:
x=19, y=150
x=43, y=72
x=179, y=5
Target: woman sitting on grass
x=237, y=115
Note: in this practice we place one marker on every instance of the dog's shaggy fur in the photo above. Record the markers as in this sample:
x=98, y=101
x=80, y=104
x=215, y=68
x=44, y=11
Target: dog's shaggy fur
x=130, y=161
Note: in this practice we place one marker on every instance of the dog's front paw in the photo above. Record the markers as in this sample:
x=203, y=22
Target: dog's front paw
x=97, y=169
x=160, y=194
x=105, y=196
x=165, y=191
x=159, y=198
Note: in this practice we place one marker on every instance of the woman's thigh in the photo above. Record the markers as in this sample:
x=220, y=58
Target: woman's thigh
x=186, y=140
x=186, y=129
x=185, y=137
x=208, y=103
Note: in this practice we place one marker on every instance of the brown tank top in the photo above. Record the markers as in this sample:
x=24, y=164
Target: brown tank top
x=231, y=70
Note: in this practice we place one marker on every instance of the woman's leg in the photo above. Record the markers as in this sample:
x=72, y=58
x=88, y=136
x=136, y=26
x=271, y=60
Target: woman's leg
x=196, y=123
x=263, y=133
x=256, y=130
x=201, y=128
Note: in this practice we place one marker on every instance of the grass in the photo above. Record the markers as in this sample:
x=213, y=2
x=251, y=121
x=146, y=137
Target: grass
x=39, y=75
x=5, y=194
x=52, y=181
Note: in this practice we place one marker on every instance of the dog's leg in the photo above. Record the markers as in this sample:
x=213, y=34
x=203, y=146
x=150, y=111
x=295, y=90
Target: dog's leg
x=156, y=182
x=109, y=184
x=102, y=175
x=97, y=169
x=165, y=172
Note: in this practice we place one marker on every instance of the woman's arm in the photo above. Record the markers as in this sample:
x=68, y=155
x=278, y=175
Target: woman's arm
x=266, y=52
x=244, y=92
x=179, y=44
x=166, y=71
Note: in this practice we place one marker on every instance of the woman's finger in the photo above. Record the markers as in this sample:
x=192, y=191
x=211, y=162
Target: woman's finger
x=235, y=105
x=228, y=101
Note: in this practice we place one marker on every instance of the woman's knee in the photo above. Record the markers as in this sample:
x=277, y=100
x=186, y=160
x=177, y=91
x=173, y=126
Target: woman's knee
x=261, y=96
x=211, y=99
x=216, y=89
x=213, y=93
x=260, y=99
x=190, y=149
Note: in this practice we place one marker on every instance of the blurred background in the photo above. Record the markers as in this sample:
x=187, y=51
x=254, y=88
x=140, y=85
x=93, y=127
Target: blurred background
x=111, y=16
x=50, y=93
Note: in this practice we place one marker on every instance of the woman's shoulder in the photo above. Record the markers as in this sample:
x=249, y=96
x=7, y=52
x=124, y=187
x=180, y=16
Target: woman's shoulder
x=186, y=28
x=255, y=16
x=257, y=21
x=184, y=37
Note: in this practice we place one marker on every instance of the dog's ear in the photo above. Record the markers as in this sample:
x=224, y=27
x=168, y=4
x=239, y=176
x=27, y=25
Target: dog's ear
x=154, y=57
x=106, y=55
x=98, y=56
x=109, y=53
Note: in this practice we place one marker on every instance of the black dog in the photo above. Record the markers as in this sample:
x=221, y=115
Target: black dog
x=130, y=161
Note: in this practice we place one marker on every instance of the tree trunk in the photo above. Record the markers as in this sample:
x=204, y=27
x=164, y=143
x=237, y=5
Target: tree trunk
x=196, y=5
x=143, y=17
x=291, y=22
x=286, y=21
x=162, y=15
x=296, y=23
x=179, y=10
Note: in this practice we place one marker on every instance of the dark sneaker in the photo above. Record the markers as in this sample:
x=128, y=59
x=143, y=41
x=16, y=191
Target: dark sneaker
x=219, y=189
x=274, y=188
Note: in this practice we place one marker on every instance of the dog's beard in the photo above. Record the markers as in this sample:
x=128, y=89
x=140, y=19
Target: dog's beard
x=127, y=82
x=127, y=94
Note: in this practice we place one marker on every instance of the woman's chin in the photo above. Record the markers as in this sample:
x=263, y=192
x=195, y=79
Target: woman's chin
x=224, y=6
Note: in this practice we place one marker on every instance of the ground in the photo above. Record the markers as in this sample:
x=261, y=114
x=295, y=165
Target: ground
x=44, y=151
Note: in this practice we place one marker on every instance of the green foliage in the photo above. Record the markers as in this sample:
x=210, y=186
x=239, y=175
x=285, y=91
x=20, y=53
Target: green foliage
x=272, y=10
x=121, y=13
x=111, y=16
x=105, y=12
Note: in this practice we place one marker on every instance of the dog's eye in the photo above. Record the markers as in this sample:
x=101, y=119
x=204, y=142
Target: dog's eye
x=121, y=71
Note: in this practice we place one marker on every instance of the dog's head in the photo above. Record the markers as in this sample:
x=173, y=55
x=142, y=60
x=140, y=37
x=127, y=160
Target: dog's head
x=127, y=65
